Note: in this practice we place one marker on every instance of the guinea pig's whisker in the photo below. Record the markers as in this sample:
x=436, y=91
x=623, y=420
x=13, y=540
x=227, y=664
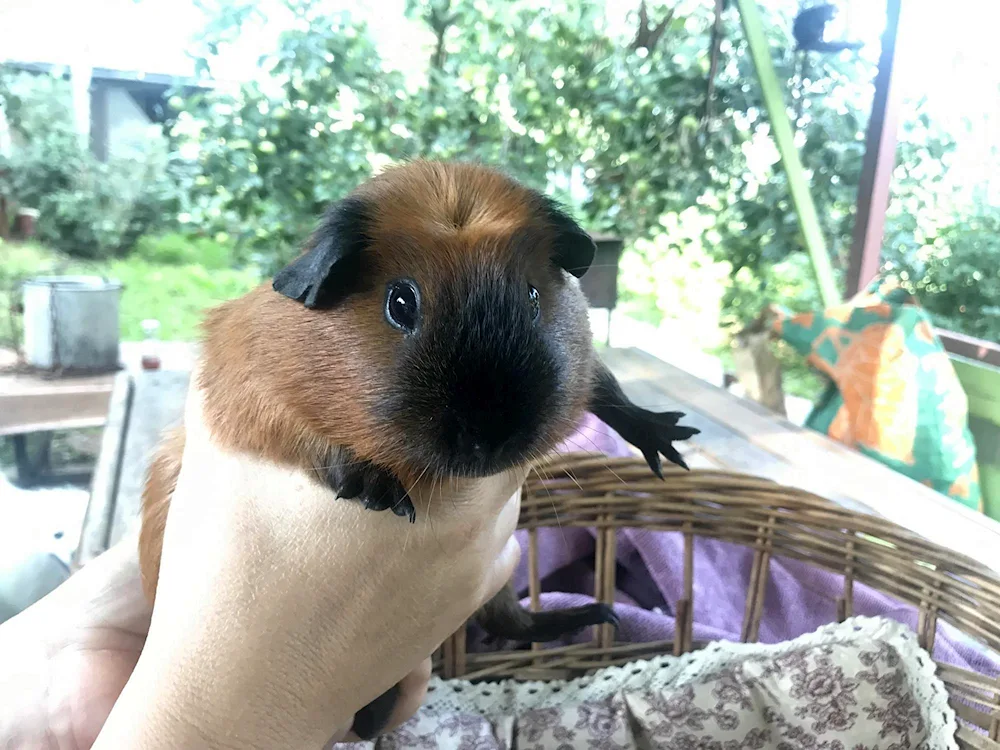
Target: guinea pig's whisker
x=613, y=472
x=355, y=462
x=410, y=490
x=552, y=502
x=574, y=425
x=417, y=480
x=454, y=502
x=586, y=437
x=571, y=478
x=542, y=479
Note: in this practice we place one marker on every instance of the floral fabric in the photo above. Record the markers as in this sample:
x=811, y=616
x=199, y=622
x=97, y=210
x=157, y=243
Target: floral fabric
x=860, y=685
x=893, y=392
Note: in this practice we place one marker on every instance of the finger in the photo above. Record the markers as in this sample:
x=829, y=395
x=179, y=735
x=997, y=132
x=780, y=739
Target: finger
x=501, y=571
x=109, y=590
x=507, y=562
x=506, y=523
x=477, y=498
x=412, y=691
x=493, y=493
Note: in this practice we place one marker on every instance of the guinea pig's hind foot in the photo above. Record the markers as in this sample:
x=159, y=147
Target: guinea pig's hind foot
x=372, y=719
x=550, y=625
x=375, y=488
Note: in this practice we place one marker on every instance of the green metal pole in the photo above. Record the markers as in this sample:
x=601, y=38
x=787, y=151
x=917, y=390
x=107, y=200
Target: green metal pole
x=784, y=139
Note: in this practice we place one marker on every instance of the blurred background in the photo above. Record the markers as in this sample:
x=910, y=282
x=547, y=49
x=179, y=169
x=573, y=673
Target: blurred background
x=186, y=147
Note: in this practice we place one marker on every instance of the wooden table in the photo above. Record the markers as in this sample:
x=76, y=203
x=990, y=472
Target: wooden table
x=142, y=407
x=36, y=402
x=29, y=403
x=737, y=435
x=33, y=402
x=740, y=435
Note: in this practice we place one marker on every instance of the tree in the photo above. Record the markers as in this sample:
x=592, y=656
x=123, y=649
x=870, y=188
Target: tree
x=548, y=92
x=87, y=208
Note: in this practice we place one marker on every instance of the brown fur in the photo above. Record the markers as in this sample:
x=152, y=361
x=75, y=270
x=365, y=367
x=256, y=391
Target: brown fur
x=285, y=383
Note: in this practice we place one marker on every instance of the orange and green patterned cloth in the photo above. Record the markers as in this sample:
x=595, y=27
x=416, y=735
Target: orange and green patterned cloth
x=893, y=393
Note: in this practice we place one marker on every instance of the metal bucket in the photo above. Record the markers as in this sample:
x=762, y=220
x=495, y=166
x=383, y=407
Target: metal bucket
x=71, y=323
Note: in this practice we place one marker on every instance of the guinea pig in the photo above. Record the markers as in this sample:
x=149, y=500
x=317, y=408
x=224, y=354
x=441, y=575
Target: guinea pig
x=433, y=326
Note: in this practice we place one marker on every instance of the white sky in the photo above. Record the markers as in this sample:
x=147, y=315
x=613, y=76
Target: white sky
x=154, y=34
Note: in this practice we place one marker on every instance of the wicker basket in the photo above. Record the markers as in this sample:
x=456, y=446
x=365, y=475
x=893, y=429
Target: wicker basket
x=587, y=490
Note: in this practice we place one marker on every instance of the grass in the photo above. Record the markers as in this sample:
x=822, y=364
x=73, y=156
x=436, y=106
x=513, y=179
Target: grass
x=176, y=294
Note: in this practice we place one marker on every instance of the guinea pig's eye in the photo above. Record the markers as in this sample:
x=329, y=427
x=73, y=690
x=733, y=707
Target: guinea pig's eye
x=402, y=305
x=536, y=307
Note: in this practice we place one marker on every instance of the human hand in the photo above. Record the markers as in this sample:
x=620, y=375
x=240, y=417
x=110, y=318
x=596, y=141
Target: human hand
x=67, y=657
x=281, y=611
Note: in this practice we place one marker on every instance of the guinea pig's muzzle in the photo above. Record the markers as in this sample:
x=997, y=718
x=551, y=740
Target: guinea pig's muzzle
x=482, y=383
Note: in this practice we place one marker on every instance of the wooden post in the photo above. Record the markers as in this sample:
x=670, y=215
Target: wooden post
x=880, y=160
x=784, y=139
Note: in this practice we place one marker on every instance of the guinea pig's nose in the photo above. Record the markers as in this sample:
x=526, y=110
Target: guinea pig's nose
x=469, y=443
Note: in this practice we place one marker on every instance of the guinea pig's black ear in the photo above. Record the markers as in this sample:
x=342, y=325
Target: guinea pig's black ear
x=573, y=248
x=326, y=272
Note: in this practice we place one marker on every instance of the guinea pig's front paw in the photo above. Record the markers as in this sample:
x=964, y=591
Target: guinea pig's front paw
x=660, y=431
x=374, y=487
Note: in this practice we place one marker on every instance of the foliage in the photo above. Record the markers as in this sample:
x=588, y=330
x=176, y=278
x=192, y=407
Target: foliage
x=954, y=273
x=617, y=125
x=88, y=208
x=617, y=122
x=20, y=261
x=176, y=295
x=176, y=249
x=271, y=157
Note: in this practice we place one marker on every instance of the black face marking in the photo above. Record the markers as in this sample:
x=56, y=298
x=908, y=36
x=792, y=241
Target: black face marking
x=331, y=267
x=402, y=305
x=478, y=382
x=536, y=306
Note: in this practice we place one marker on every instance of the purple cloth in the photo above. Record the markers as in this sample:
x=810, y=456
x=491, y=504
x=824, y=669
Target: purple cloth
x=799, y=598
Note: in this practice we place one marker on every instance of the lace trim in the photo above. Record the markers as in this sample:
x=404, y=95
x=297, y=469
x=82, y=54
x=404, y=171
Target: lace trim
x=511, y=697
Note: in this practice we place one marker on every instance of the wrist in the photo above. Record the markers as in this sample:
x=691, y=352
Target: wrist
x=28, y=717
x=201, y=696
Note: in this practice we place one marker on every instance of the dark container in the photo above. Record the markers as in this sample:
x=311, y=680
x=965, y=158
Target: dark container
x=600, y=283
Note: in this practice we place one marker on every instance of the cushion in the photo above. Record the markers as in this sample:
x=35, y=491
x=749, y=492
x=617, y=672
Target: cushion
x=864, y=683
x=893, y=392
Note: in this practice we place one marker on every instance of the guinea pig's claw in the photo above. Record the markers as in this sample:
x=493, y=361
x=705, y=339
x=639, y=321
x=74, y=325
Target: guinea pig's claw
x=662, y=431
x=374, y=487
x=404, y=508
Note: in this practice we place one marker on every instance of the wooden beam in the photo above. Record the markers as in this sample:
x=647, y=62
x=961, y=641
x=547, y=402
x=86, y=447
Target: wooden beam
x=981, y=383
x=31, y=403
x=784, y=139
x=715, y=46
x=979, y=350
x=96, y=529
x=879, y=162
